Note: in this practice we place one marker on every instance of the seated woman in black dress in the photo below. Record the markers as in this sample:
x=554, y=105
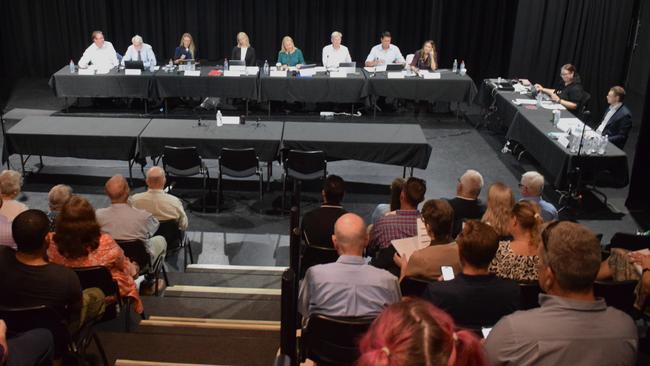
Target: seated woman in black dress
x=425, y=58
x=185, y=50
x=570, y=93
x=243, y=50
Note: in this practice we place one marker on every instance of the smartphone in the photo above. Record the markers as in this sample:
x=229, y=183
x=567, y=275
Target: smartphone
x=485, y=331
x=447, y=273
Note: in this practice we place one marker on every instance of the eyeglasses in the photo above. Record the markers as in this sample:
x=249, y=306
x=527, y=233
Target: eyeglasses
x=547, y=232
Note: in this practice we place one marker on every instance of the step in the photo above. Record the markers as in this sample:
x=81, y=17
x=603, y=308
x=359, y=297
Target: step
x=226, y=279
x=121, y=362
x=225, y=268
x=213, y=292
x=201, y=323
x=206, y=307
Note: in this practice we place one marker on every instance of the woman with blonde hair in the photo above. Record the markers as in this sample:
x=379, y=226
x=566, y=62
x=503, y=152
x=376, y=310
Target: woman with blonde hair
x=500, y=201
x=10, y=186
x=243, y=50
x=517, y=259
x=289, y=54
x=185, y=50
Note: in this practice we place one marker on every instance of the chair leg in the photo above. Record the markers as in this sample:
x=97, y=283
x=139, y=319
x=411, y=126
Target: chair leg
x=219, y=193
x=284, y=190
x=155, y=282
x=100, y=347
x=261, y=189
x=164, y=272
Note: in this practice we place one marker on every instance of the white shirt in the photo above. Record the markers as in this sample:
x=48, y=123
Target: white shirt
x=610, y=112
x=103, y=58
x=332, y=57
x=242, y=53
x=147, y=56
x=162, y=206
x=12, y=208
x=390, y=56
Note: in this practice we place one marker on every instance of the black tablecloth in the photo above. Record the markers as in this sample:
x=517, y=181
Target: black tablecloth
x=450, y=87
x=313, y=89
x=396, y=144
x=77, y=137
x=501, y=100
x=114, y=84
x=177, y=85
x=265, y=137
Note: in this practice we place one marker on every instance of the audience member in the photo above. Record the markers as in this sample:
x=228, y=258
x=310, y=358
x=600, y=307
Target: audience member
x=466, y=204
x=318, y=224
x=403, y=224
x=476, y=298
x=532, y=186
x=426, y=263
x=56, y=198
x=622, y=265
x=499, y=209
x=161, y=205
x=517, y=259
x=10, y=182
x=414, y=332
x=78, y=242
x=31, y=348
x=572, y=326
x=6, y=238
x=383, y=208
x=348, y=287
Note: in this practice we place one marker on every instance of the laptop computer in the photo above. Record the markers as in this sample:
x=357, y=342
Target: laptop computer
x=348, y=67
x=134, y=65
x=394, y=67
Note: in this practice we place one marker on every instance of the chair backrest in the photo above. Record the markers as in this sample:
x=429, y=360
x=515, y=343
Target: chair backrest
x=306, y=165
x=20, y=320
x=333, y=340
x=238, y=162
x=529, y=292
x=136, y=251
x=619, y=294
x=411, y=286
x=172, y=234
x=630, y=242
x=316, y=254
x=183, y=161
x=97, y=276
x=409, y=58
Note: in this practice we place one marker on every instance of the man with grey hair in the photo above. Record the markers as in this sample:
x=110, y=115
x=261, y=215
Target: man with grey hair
x=572, y=326
x=335, y=53
x=140, y=51
x=532, y=186
x=466, y=204
x=348, y=287
x=161, y=205
x=56, y=198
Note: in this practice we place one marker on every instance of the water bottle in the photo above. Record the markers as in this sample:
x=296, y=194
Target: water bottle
x=72, y=69
x=462, y=68
x=556, y=117
x=538, y=97
x=219, y=118
x=602, y=146
x=454, y=67
x=225, y=64
x=266, y=68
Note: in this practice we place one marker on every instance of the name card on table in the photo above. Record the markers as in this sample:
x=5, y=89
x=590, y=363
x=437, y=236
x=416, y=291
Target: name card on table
x=278, y=73
x=192, y=73
x=132, y=72
x=395, y=75
x=564, y=141
x=320, y=68
x=338, y=74
x=230, y=120
x=252, y=70
x=232, y=72
x=88, y=71
x=308, y=72
x=431, y=75
x=240, y=68
x=380, y=68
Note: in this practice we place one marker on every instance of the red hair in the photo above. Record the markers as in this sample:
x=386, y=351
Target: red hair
x=413, y=332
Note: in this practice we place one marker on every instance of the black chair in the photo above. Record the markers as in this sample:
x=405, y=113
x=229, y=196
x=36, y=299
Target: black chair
x=415, y=287
x=582, y=109
x=302, y=165
x=529, y=295
x=631, y=242
x=66, y=345
x=176, y=239
x=618, y=294
x=316, y=254
x=238, y=163
x=328, y=340
x=186, y=162
x=137, y=252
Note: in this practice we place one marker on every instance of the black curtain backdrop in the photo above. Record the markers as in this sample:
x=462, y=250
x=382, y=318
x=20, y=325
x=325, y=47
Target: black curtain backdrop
x=639, y=194
x=43, y=35
x=593, y=35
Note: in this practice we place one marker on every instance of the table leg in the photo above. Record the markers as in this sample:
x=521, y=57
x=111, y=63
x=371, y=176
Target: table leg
x=144, y=100
x=269, y=108
x=374, y=108
x=166, y=107
x=246, y=106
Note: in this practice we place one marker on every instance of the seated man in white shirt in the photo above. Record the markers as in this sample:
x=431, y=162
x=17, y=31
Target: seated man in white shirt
x=348, y=287
x=123, y=222
x=335, y=53
x=161, y=205
x=100, y=54
x=140, y=51
x=384, y=53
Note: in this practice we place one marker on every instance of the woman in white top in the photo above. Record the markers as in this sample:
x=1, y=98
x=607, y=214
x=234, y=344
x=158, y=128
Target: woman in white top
x=243, y=50
x=10, y=182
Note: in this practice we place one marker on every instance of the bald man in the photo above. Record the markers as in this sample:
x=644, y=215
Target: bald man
x=348, y=287
x=466, y=204
x=123, y=222
x=161, y=205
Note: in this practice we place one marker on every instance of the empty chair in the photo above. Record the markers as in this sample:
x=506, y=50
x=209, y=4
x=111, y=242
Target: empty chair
x=186, y=162
x=618, y=294
x=137, y=252
x=411, y=286
x=176, y=239
x=529, y=295
x=238, y=163
x=631, y=242
x=328, y=340
x=303, y=165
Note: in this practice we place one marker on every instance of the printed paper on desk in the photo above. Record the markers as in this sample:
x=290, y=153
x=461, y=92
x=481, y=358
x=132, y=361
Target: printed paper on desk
x=395, y=75
x=192, y=73
x=566, y=124
x=240, y=68
x=132, y=72
x=232, y=72
x=564, y=141
x=278, y=73
x=525, y=101
x=405, y=247
x=431, y=75
x=308, y=72
x=320, y=69
x=252, y=70
x=88, y=71
x=338, y=74
x=230, y=120
x=552, y=105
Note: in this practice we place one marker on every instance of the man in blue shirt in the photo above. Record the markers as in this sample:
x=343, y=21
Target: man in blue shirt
x=140, y=51
x=348, y=287
x=532, y=185
x=384, y=53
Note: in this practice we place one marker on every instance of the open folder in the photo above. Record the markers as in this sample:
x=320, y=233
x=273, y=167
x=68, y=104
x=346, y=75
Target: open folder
x=406, y=246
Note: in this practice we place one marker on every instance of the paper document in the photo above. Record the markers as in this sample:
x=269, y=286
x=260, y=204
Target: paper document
x=405, y=247
x=567, y=124
x=521, y=101
x=552, y=105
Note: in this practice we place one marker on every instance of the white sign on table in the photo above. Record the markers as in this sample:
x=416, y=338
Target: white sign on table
x=278, y=73
x=432, y=75
x=240, y=68
x=338, y=74
x=232, y=72
x=192, y=73
x=132, y=72
x=395, y=75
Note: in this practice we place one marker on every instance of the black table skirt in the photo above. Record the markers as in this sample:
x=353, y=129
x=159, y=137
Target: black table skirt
x=318, y=88
x=112, y=85
x=177, y=85
x=449, y=88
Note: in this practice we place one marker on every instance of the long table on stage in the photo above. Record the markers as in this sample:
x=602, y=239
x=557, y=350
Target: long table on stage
x=395, y=144
x=112, y=85
x=530, y=128
x=175, y=84
x=313, y=89
x=451, y=87
x=77, y=137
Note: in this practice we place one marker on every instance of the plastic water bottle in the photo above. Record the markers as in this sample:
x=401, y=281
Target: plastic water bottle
x=225, y=64
x=266, y=69
x=539, y=99
x=462, y=68
x=454, y=67
x=219, y=118
x=72, y=69
x=556, y=117
x=602, y=146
